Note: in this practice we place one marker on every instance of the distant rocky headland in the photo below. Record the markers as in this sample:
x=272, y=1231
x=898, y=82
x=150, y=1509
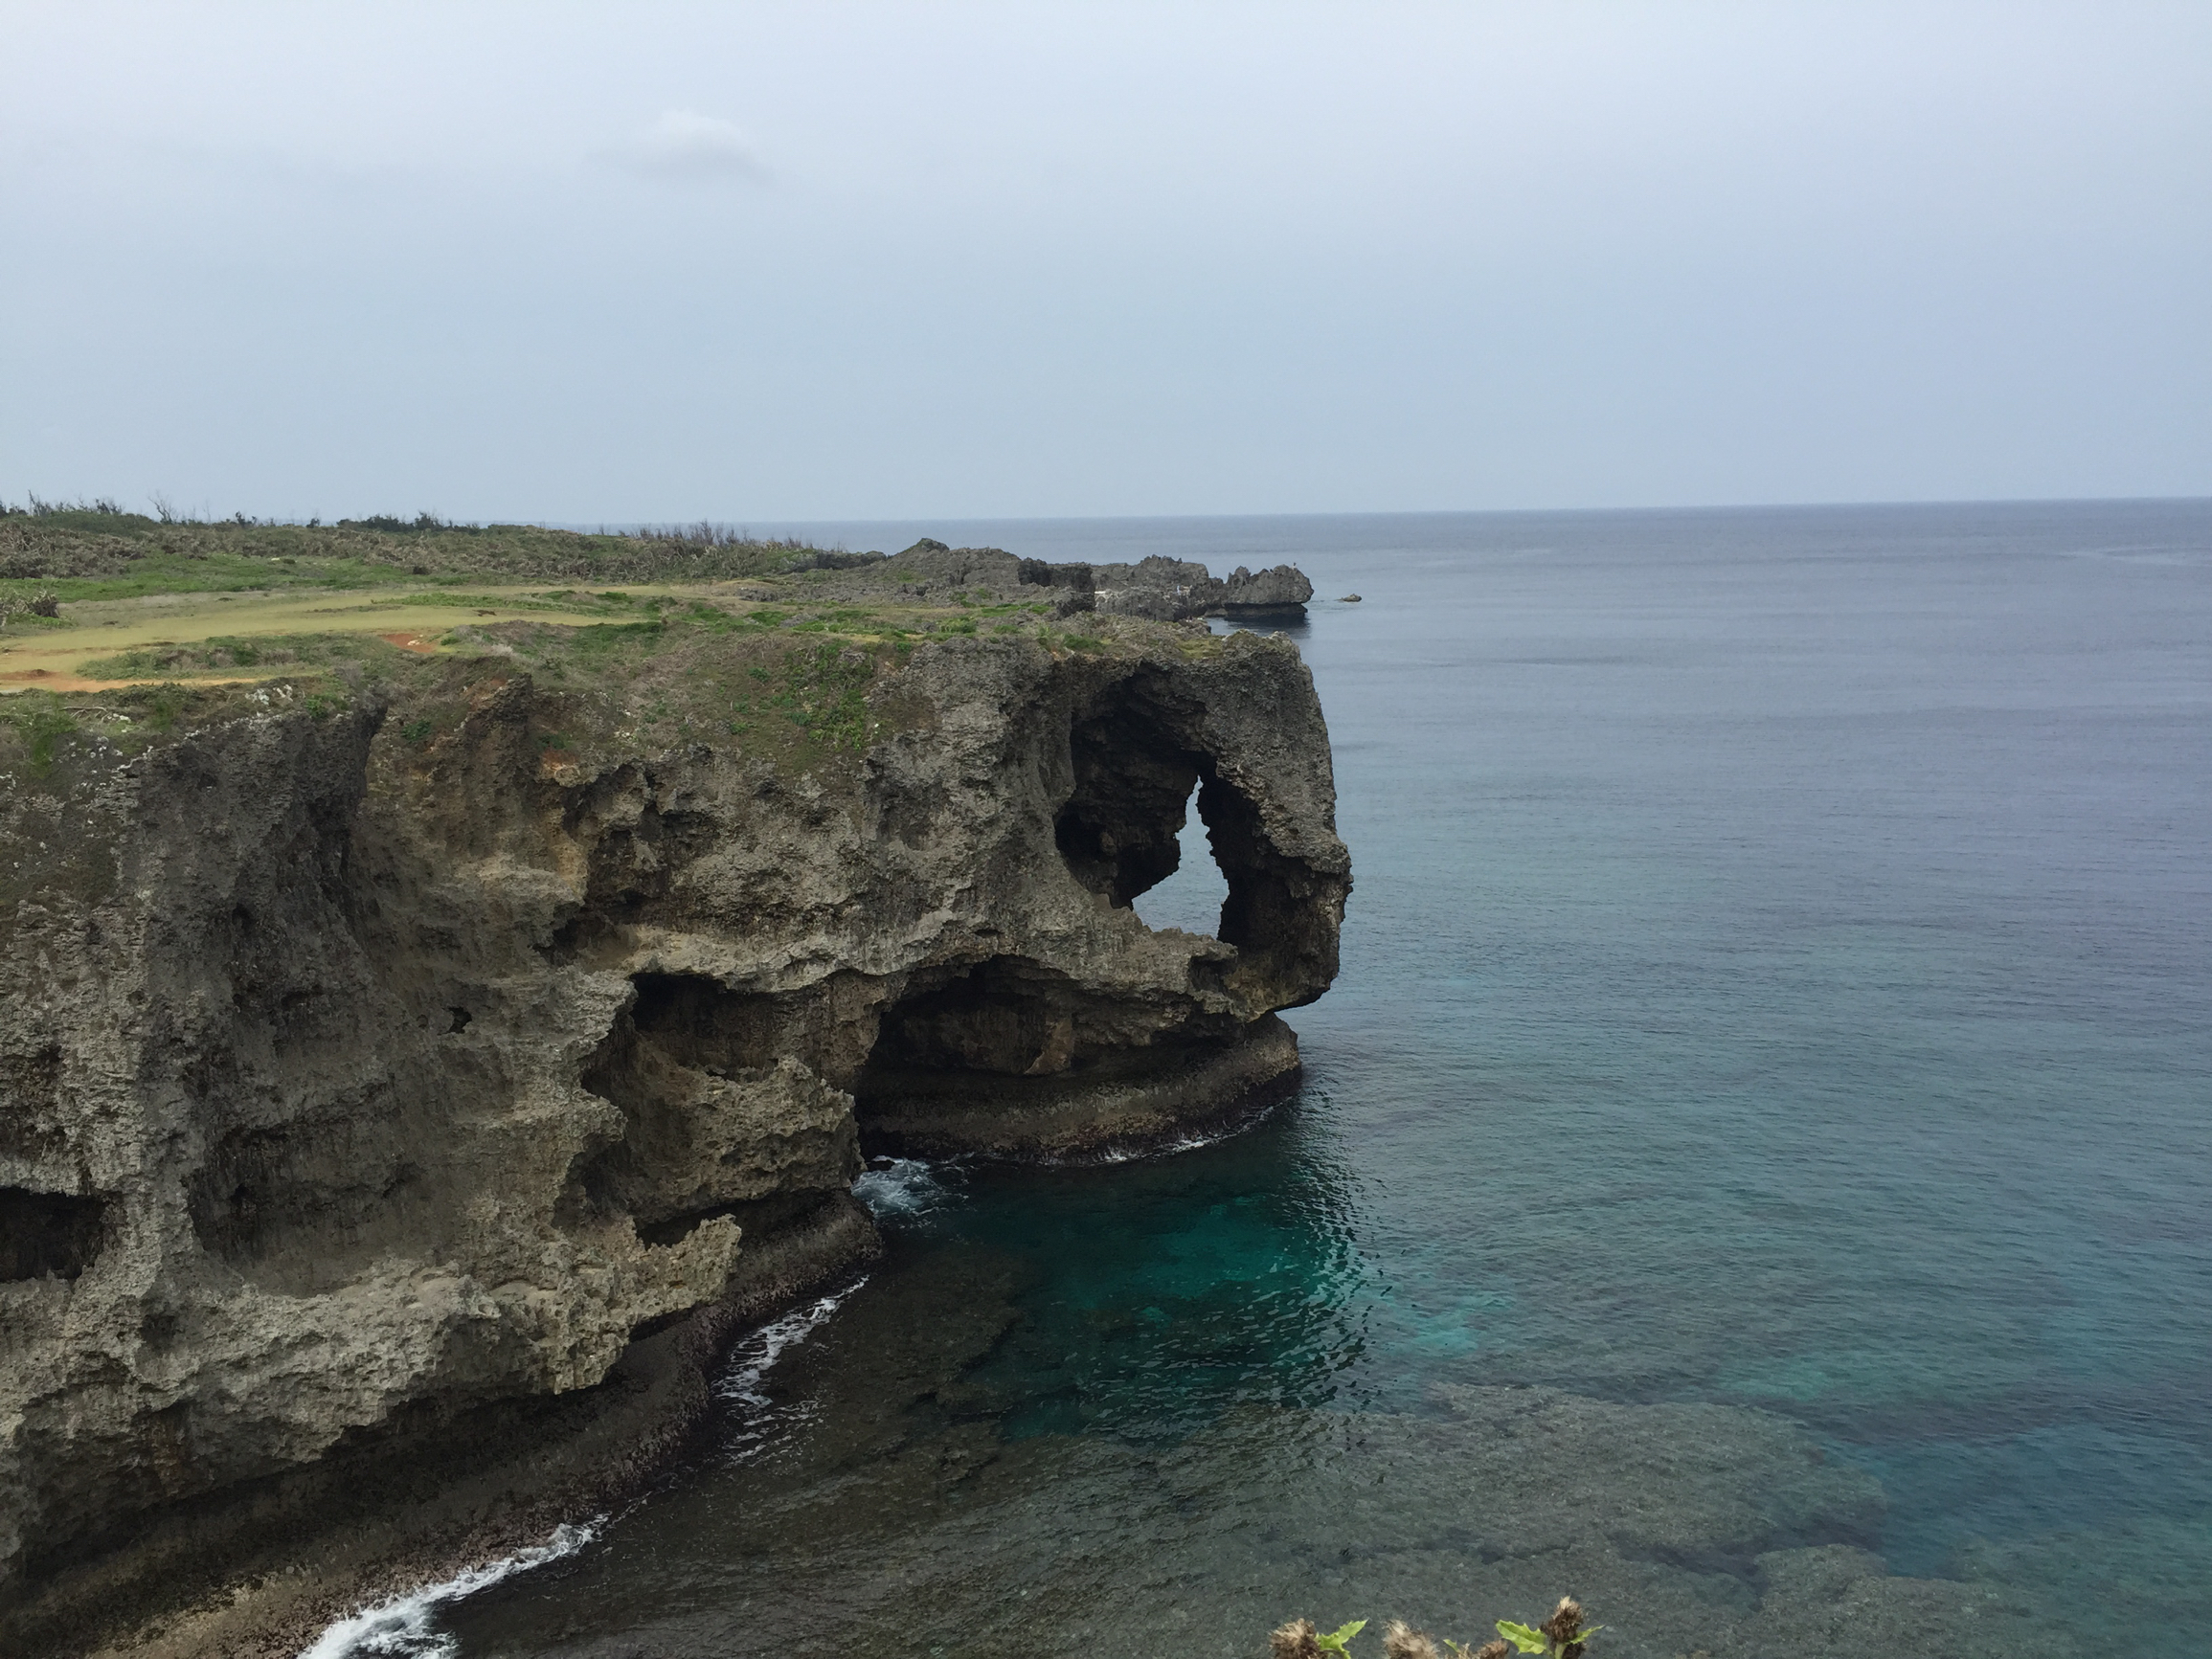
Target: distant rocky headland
x=452, y=978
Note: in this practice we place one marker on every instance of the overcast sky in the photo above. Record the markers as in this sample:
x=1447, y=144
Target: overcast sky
x=760, y=262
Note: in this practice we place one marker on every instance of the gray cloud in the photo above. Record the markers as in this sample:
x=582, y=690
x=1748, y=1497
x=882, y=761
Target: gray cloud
x=683, y=144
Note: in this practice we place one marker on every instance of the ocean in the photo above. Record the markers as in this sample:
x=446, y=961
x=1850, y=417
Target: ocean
x=1762, y=1125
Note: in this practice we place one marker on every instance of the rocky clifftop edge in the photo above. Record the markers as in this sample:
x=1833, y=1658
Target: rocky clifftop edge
x=1161, y=589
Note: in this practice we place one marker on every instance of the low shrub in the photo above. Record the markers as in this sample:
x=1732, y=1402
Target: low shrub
x=1562, y=1636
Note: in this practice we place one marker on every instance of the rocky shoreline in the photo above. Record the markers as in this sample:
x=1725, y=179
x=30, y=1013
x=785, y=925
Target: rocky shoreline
x=259, y=1573
x=410, y=1100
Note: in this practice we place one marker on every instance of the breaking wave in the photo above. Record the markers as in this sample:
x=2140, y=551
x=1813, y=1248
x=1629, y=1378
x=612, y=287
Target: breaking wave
x=405, y=1627
x=904, y=1188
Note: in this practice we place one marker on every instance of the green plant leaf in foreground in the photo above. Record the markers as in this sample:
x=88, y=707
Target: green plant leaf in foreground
x=1336, y=1643
x=1522, y=1637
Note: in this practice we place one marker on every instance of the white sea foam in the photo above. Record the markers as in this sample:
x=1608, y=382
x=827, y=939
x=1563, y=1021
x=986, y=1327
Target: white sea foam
x=750, y=1361
x=902, y=1186
x=1213, y=1134
x=1156, y=1148
x=406, y=1628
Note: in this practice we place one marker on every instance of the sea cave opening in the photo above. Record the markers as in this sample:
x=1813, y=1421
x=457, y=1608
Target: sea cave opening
x=1146, y=815
x=1191, y=895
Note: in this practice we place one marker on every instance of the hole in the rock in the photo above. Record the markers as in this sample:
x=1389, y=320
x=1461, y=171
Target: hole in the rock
x=1193, y=895
x=461, y=1019
x=1002, y=1031
x=697, y=1021
x=1008, y=1016
x=1120, y=824
x=1119, y=830
x=1012, y=1033
x=1127, y=824
x=42, y=1233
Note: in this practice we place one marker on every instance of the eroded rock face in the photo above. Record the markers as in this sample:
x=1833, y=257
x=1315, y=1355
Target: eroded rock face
x=348, y=1077
x=1156, y=588
x=1167, y=590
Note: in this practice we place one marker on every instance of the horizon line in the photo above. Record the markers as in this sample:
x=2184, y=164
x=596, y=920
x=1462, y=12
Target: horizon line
x=625, y=525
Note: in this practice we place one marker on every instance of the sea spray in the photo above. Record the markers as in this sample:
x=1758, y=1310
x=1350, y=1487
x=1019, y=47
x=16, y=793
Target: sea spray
x=1193, y=1140
x=405, y=1627
x=907, y=1188
x=748, y=1366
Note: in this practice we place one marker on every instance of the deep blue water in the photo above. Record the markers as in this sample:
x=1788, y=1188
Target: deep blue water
x=1779, y=975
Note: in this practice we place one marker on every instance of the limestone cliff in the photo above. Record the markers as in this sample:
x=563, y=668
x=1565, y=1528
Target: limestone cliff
x=435, y=1049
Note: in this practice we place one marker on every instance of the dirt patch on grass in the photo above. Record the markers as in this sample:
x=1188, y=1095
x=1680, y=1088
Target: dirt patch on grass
x=53, y=679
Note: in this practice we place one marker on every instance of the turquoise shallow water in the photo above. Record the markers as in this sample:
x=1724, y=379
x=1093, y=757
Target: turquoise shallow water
x=1777, y=977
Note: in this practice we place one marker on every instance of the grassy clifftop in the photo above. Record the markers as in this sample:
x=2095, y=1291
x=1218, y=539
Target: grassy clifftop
x=117, y=629
x=98, y=553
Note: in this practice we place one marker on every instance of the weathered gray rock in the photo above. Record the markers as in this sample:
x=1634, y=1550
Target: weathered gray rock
x=349, y=1078
x=1170, y=590
x=930, y=570
x=1157, y=589
x=1278, y=588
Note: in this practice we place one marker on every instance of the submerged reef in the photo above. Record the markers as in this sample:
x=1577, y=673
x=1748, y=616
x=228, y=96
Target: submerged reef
x=906, y=1510
x=418, y=1062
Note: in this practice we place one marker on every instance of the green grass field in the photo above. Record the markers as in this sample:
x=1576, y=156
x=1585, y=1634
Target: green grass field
x=117, y=629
